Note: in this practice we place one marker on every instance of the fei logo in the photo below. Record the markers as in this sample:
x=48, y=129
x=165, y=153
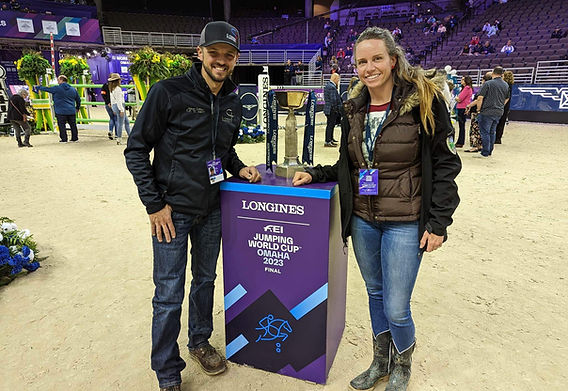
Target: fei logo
x=277, y=229
x=558, y=94
x=273, y=329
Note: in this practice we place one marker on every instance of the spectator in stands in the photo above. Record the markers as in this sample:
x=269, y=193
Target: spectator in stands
x=113, y=121
x=499, y=25
x=486, y=27
x=431, y=20
x=487, y=48
x=557, y=33
x=463, y=99
x=332, y=109
x=474, y=40
x=319, y=64
x=397, y=33
x=340, y=54
x=118, y=106
x=442, y=30
x=477, y=49
x=18, y=117
x=453, y=21
x=508, y=48
x=492, y=31
x=491, y=101
x=289, y=73
x=66, y=104
x=327, y=41
x=419, y=19
x=327, y=25
x=510, y=80
x=333, y=61
x=474, y=134
x=466, y=50
x=349, y=51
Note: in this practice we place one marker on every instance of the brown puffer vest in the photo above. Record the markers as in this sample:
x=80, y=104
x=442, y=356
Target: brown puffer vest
x=396, y=155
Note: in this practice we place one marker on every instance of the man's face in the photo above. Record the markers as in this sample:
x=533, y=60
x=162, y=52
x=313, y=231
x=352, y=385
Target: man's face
x=219, y=60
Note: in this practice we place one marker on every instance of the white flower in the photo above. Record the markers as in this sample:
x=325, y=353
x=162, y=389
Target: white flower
x=24, y=234
x=13, y=249
x=32, y=255
x=1, y=237
x=6, y=227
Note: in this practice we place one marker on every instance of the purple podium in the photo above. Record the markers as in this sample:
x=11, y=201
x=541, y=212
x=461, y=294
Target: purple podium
x=285, y=270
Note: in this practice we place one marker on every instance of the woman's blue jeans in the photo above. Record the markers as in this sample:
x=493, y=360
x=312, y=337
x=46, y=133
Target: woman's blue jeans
x=389, y=257
x=122, y=121
x=112, y=123
x=170, y=261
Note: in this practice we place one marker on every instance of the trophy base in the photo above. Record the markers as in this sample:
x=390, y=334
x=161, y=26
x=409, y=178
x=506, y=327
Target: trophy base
x=288, y=171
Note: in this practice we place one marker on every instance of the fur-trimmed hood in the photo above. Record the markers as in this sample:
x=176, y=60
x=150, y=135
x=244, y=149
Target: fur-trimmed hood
x=405, y=93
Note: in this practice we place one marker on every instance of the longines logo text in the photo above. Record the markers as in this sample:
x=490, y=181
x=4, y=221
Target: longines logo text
x=272, y=207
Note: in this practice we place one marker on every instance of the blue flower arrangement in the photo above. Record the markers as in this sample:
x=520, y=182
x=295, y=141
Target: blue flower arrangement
x=250, y=135
x=18, y=251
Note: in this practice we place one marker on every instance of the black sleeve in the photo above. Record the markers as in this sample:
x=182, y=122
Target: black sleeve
x=446, y=165
x=77, y=100
x=148, y=129
x=232, y=163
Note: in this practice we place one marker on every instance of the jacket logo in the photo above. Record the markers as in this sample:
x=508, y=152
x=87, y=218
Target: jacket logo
x=228, y=117
x=197, y=110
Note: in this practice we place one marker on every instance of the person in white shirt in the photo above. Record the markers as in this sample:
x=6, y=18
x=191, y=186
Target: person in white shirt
x=508, y=48
x=118, y=106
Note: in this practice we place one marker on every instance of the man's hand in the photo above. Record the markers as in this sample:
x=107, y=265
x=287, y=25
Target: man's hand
x=301, y=178
x=161, y=224
x=121, y=113
x=250, y=173
x=433, y=241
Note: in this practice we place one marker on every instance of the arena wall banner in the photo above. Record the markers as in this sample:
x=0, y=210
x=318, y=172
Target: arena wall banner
x=38, y=26
x=284, y=268
x=539, y=103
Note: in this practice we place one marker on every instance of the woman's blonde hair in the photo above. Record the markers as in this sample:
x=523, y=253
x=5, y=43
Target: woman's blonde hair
x=508, y=77
x=113, y=84
x=426, y=88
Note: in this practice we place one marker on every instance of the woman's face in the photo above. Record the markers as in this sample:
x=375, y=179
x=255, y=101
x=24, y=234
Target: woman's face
x=374, y=65
x=463, y=81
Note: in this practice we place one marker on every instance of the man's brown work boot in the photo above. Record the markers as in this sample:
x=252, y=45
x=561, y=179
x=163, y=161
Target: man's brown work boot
x=211, y=362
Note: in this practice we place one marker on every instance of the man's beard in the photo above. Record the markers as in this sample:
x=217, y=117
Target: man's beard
x=209, y=71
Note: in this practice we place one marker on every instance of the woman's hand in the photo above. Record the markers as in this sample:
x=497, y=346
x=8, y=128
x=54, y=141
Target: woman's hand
x=431, y=242
x=301, y=178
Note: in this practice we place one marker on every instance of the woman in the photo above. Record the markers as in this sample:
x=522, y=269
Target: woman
x=398, y=126
x=510, y=79
x=474, y=133
x=118, y=106
x=463, y=99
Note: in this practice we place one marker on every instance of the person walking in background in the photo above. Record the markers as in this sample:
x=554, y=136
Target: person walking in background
x=332, y=109
x=198, y=145
x=491, y=100
x=396, y=172
x=118, y=106
x=471, y=110
x=510, y=80
x=66, y=104
x=113, y=122
x=18, y=117
x=463, y=99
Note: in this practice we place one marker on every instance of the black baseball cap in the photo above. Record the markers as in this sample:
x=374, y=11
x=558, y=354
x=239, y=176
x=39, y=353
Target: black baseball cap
x=219, y=32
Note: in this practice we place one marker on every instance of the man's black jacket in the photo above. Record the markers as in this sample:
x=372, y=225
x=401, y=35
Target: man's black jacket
x=178, y=120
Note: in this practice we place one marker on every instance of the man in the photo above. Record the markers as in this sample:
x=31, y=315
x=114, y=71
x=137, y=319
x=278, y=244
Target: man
x=66, y=103
x=491, y=100
x=17, y=115
x=331, y=109
x=508, y=48
x=289, y=73
x=192, y=124
x=113, y=121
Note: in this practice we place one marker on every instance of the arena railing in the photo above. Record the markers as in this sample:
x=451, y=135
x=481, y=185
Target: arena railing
x=263, y=57
x=116, y=36
x=551, y=72
x=523, y=75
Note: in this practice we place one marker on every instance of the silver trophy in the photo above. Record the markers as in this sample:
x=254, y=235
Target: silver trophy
x=291, y=100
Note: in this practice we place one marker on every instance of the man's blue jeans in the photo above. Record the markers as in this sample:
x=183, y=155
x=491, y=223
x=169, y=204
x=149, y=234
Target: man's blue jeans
x=112, y=124
x=487, y=128
x=389, y=257
x=170, y=261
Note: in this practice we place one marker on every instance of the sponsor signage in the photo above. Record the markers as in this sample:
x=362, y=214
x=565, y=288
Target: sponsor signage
x=284, y=275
